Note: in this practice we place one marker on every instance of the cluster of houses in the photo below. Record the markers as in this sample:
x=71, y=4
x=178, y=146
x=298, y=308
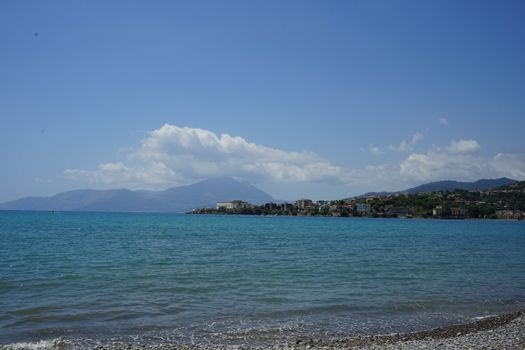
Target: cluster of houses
x=509, y=214
x=503, y=211
x=301, y=207
x=455, y=212
x=456, y=205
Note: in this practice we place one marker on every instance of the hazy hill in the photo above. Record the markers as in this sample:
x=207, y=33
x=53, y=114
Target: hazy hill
x=177, y=199
x=483, y=184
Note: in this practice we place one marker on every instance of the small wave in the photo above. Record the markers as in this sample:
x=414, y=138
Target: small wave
x=273, y=299
x=478, y=318
x=57, y=343
x=312, y=310
x=33, y=310
x=39, y=319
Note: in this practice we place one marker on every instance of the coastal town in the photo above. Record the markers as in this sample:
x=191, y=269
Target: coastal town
x=506, y=202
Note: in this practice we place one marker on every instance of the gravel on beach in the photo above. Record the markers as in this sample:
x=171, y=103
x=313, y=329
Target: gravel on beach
x=504, y=332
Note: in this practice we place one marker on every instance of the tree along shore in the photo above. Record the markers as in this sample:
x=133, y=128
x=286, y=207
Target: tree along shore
x=506, y=202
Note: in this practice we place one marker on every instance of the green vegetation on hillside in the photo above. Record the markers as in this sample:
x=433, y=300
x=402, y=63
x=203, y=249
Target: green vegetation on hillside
x=506, y=202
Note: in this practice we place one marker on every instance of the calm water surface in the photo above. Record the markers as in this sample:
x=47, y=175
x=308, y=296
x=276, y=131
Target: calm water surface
x=99, y=277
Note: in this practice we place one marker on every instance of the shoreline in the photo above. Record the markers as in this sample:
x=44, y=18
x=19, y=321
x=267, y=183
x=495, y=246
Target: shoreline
x=436, y=336
x=351, y=217
x=505, y=331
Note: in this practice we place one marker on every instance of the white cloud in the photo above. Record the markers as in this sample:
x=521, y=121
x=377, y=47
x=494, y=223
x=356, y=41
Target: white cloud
x=511, y=165
x=405, y=146
x=118, y=174
x=198, y=153
x=417, y=137
x=463, y=146
x=376, y=151
x=435, y=165
x=173, y=155
x=459, y=161
x=42, y=180
x=443, y=121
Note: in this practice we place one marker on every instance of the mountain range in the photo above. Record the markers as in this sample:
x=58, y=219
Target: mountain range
x=203, y=194
x=175, y=200
x=481, y=185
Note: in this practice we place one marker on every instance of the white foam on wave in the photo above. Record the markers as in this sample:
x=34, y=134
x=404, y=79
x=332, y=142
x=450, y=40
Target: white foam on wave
x=57, y=343
x=477, y=318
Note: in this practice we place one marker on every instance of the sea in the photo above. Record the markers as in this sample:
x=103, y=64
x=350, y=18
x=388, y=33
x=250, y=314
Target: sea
x=80, y=280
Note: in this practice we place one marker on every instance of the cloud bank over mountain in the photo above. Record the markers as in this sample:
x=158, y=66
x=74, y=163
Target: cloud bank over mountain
x=173, y=155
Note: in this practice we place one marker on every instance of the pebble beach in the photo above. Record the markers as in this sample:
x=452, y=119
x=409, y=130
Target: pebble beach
x=503, y=332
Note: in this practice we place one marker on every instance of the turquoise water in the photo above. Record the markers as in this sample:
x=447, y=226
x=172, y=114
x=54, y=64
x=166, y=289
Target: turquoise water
x=98, y=277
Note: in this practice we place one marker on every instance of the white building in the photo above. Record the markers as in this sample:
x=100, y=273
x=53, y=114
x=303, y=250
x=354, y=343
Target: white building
x=224, y=205
x=304, y=203
x=230, y=205
x=363, y=208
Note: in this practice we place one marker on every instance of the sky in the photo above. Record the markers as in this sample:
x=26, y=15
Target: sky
x=318, y=99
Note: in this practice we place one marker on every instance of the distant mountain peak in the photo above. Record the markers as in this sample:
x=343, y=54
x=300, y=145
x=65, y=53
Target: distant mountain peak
x=176, y=199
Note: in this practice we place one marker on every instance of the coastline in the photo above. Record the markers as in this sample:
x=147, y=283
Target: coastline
x=430, y=218
x=505, y=331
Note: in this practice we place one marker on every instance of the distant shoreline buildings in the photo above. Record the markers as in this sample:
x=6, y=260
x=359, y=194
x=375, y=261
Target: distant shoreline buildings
x=507, y=202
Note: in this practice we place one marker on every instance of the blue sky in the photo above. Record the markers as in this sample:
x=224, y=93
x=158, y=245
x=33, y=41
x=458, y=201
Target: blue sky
x=323, y=99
